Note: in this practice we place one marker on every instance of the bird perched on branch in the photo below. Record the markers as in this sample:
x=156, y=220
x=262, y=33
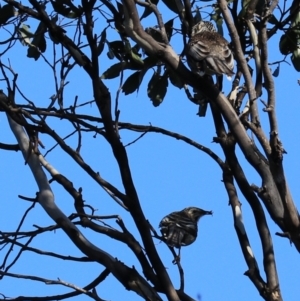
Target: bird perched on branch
x=208, y=52
x=180, y=228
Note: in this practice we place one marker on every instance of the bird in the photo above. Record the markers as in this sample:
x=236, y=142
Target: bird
x=180, y=228
x=208, y=52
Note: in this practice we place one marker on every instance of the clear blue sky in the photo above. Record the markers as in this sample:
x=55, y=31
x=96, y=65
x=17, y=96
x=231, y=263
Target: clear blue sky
x=169, y=175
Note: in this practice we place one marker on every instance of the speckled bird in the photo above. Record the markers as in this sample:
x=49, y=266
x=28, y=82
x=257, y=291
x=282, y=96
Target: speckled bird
x=208, y=52
x=180, y=228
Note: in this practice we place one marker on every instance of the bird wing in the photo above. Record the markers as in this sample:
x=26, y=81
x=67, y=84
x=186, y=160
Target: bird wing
x=214, y=50
x=179, y=220
x=197, y=49
x=219, y=66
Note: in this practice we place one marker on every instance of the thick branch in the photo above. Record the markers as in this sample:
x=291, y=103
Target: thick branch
x=228, y=145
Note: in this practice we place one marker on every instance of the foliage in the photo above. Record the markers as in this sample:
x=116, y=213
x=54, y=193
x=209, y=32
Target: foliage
x=65, y=35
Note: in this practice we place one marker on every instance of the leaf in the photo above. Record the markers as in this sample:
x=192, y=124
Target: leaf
x=33, y=52
x=132, y=83
x=72, y=6
x=296, y=59
x=132, y=53
x=219, y=23
x=25, y=34
x=169, y=28
x=148, y=10
x=110, y=54
x=197, y=17
x=288, y=42
x=148, y=63
x=113, y=71
x=174, y=5
x=54, y=19
x=64, y=10
x=157, y=88
x=175, y=79
x=296, y=20
x=120, y=8
x=273, y=20
x=6, y=12
x=245, y=4
x=136, y=58
x=53, y=37
x=39, y=37
x=60, y=8
x=127, y=46
x=116, y=48
x=101, y=44
x=276, y=71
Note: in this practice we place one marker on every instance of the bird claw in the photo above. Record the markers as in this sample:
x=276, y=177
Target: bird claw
x=176, y=260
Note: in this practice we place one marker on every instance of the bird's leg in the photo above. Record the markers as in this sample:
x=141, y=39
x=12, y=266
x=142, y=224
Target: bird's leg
x=176, y=259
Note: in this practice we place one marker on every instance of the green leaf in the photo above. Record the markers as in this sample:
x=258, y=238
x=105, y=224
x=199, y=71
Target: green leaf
x=6, y=12
x=288, y=42
x=60, y=8
x=39, y=37
x=169, y=28
x=219, y=24
x=52, y=36
x=136, y=58
x=132, y=83
x=25, y=34
x=127, y=46
x=120, y=8
x=72, y=6
x=276, y=71
x=296, y=59
x=54, y=19
x=132, y=54
x=273, y=20
x=116, y=49
x=113, y=71
x=174, y=5
x=197, y=17
x=33, y=52
x=101, y=44
x=257, y=10
x=175, y=79
x=116, y=46
x=157, y=88
x=296, y=20
x=245, y=4
x=110, y=54
x=148, y=10
x=69, y=11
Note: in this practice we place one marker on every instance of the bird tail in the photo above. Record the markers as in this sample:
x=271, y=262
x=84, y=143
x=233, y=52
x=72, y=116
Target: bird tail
x=219, y=66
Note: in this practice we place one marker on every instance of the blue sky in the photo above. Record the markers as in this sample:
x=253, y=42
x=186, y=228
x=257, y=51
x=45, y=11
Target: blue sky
x=169, y=176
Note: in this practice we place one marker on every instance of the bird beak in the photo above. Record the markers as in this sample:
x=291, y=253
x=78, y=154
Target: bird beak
x=206, y=213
